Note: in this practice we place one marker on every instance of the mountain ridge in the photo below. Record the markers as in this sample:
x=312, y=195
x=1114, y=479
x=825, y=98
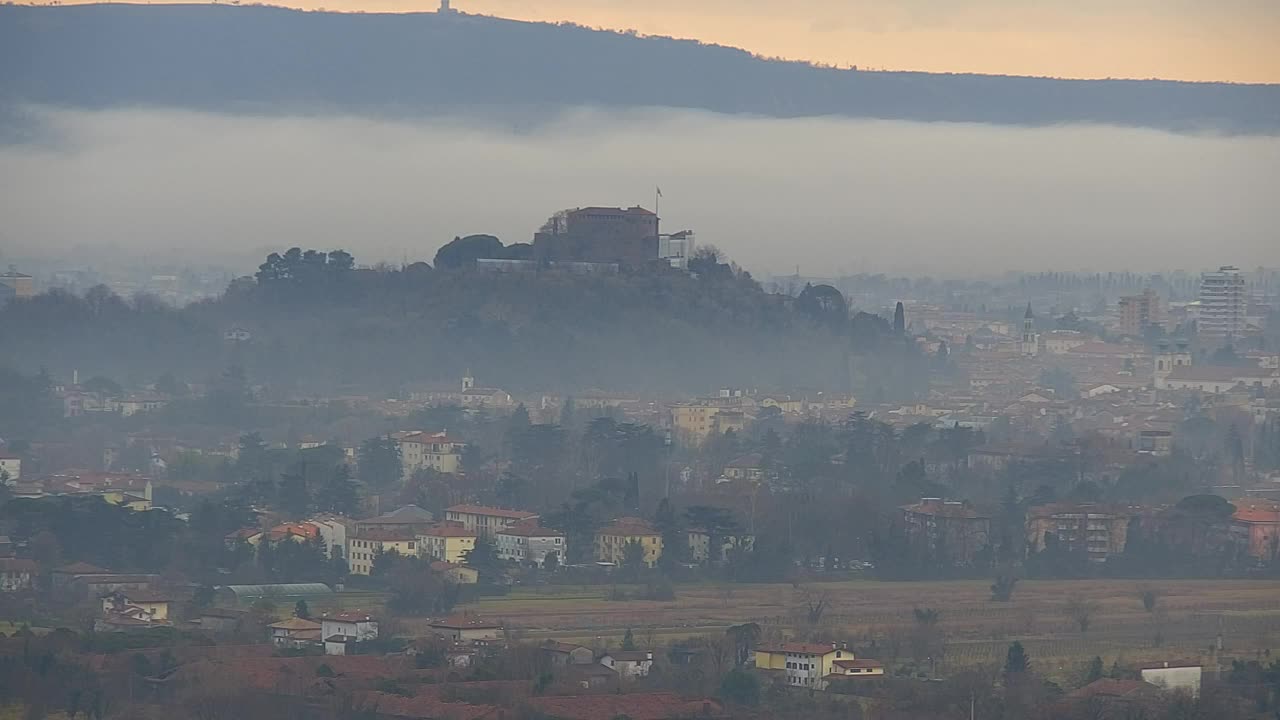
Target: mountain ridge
x=224, y=57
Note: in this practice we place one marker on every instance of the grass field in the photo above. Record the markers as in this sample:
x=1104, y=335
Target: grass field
x=978, y=631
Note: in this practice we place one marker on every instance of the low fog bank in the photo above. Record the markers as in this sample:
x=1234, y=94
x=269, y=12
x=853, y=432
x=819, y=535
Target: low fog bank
x=828, y=195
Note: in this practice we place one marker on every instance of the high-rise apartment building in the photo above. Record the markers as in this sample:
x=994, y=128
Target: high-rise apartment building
x=1222, y=304
x=1137, y=312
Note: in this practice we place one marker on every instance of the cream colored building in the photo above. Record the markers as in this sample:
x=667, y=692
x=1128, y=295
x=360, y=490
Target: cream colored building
x=486, y=521
x=429, y=451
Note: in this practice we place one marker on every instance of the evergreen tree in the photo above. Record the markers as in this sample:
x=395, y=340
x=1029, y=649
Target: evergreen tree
x=301, y=611
x=900, y=319
x=1095, y=670
x=1016, y=661
x=629, y=641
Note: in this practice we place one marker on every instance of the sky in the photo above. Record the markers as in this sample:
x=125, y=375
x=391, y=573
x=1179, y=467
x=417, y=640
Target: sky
x=1202, y=40
x=828, y=195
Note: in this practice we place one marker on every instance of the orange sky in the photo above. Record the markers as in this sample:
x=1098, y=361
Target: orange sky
x=1232, y=40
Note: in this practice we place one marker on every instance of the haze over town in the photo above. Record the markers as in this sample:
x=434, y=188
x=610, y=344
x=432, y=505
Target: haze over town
x=449, y=366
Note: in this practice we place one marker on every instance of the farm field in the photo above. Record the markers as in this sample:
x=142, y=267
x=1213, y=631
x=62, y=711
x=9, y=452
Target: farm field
x=1189, y=617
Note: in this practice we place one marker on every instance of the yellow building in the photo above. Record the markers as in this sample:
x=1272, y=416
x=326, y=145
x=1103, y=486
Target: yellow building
x=429, y=451
x=449, y=542
x=365, y=545
x=693, y=422
x=806, y=665
x=612, y=541
x=146, y=604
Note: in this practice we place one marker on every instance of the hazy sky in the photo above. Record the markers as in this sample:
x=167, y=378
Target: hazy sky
x=831, y=195
x=1235, y=40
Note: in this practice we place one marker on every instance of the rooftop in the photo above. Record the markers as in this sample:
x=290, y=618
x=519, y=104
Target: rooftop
x=492, y=511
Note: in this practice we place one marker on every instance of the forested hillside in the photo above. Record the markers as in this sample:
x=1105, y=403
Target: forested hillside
x=322, y=326
x=256, y=58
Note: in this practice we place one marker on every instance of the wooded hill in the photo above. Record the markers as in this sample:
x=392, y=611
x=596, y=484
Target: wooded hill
x=273, y=59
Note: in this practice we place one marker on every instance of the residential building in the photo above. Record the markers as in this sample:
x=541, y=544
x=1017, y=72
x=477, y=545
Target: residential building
x=1138, y=312
x=295, y=632
x=700, y=549
x=629, y=664
x=10, y=468
x=449, y=542
x=1155, y=442
x=345, y=628
x=1099, y=531
x=529, y=544
x=747, y=467
x=22, y=285
x=486, y=521
x=455, y=573
x=467, y=628
x=694, y=422
x=156, y=605
x=365, y=545
x=1255, y=528
x=221, y=621
x=333, y=533
x=947, y=527
x=804, y=665
x=1180, y=675
x=612, y=541
x=558, y=654
x=408, y=519
x=1222, y=305
x=16, y=574
x=131, y=405
x=858, y=669
x=429, y=451
x=6, y=547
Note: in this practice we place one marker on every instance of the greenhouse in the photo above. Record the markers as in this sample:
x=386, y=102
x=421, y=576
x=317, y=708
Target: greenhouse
x=240, y=594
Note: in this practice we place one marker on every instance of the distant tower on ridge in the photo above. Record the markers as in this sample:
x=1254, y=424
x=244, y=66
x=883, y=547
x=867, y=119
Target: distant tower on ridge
x=446, y=8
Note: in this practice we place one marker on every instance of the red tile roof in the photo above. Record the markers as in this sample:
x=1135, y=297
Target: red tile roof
x=448, y=530
x=637, y=706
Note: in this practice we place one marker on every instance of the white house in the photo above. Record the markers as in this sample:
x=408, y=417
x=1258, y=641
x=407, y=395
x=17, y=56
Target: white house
x=1174, y=675
x=629, y=664
x=528, y=543
x=345, y=628
x=11, y=466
